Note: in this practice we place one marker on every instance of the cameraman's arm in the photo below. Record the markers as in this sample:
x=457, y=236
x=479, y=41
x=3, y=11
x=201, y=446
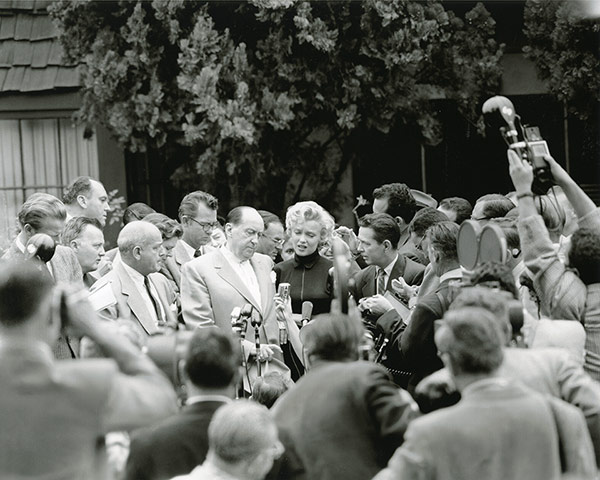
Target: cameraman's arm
x=557, y=288
x=582, y=204
x=139, y=393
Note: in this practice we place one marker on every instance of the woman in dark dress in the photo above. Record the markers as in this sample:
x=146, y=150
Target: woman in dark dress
x=308, y=273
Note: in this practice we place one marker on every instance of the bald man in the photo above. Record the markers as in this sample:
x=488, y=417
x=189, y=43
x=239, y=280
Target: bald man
x=86, y=197
x=145, y=295
x=214, y=284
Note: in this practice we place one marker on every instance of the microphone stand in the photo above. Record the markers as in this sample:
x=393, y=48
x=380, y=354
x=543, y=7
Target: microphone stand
x=256, y=324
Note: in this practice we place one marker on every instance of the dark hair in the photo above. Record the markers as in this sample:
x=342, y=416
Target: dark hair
x=136, y=211
x=334, y=337
x=269, y=218
x=584, y=255
x=495, y=272
x=268, y=388
x=384, y=227
x=473, y=340
x=189, y=205
x=75, y=227
x=495, y=205
x=425, y=218
x=401, y=202
x=235, y=215
x=168, y=227
x=460, y=206
x=38, y=207
x=212, y=359
x=22, y=290
x=510, y=230
x=497, y=303
x=442, y=237
x=79, y=186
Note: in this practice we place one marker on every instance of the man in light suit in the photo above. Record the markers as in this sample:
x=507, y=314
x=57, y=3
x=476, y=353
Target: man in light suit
x=500, y=430
x=44, y=213
x=53, y=412
x=146, y=295
x=214, y=284
x=84, y=236
x=198, y=218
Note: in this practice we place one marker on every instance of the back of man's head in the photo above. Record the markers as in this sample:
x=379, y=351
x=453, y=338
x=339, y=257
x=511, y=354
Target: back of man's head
x=269, y=387
x=269, y=218
x=442, y=238
x=79, y=186
x=425, y=218
x=333, y=337
x=211, y=360
x=240, y=431
x=384, y=227
x=22, y=291
x=38, y=207
x=492, y=205
x=472, y=340
x=458, y=209
x=491, y=300
x=401, y=202
x=584, y=255
x=136, y=211
x=495, y=275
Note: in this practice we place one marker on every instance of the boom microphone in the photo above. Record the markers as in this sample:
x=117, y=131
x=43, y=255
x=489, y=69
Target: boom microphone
x=40, y=246
x=307, y=308
x=500, y=112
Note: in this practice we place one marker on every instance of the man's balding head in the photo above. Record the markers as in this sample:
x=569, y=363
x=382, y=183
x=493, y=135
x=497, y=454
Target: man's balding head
x=139, y=244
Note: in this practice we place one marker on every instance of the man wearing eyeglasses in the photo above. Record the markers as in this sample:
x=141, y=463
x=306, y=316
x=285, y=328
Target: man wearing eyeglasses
x=198, y=217
x=212, y=285
x=271, y=240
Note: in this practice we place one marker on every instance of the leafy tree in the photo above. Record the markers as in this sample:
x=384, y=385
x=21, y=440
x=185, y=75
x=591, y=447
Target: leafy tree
x=267, y=99
x=564, y=46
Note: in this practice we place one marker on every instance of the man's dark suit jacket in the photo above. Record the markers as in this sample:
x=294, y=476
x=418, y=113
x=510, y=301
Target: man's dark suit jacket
x=365, y=281
x=340, y=421
x=174, y=447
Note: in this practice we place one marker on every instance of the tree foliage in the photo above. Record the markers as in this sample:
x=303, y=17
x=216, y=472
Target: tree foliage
x=269, y=96
x=564, y=46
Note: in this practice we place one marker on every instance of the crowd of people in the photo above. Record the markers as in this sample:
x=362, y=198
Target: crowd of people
x=437, y=341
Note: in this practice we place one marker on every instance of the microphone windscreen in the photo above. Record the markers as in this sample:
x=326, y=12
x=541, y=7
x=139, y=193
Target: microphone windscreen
x=307, y=308
x=247, y=310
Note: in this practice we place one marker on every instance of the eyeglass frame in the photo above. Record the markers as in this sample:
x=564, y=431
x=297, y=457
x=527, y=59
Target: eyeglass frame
x=279, y=242
x=204, y=225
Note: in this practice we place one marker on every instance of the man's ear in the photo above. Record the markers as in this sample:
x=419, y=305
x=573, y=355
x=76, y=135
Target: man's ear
x=74, y=244
x=228, y=228
x=386, y=244
x=136, y=252
x=82, y=201
x=29, y=230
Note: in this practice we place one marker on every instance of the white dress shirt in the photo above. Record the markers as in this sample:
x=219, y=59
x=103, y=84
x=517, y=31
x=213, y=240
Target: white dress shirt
x=138, y=280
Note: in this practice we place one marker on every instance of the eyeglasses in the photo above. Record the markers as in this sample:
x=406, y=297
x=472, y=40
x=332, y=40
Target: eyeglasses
x=277, y=241
x=206, y=226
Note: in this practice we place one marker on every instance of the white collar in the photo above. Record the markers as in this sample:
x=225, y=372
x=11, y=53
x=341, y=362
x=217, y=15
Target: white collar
x=136, y=276
x=230, y=256
x=390, y=267
x=451, y=274
x=20, y=245
x=484, y=384
x=188, y=248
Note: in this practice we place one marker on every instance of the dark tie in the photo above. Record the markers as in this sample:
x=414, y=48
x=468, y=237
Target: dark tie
x=198, y=252
x=155, y=302
x=380, y=281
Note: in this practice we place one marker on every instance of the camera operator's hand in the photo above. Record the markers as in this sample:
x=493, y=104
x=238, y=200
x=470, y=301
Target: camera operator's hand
x=78, y=317
x=283, y=309
x=521, y=172
x=403, y=289
x=559, y=173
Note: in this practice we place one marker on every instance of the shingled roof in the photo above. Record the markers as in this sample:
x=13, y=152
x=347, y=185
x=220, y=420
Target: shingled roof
x=30, y=54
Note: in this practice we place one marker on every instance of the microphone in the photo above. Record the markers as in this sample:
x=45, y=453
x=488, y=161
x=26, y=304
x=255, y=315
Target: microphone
x=40, y=246
x=498, y=112
x=307, y=308
x=245, y=314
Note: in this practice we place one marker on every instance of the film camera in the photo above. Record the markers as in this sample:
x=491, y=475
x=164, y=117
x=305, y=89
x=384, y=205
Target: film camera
x=500, y=113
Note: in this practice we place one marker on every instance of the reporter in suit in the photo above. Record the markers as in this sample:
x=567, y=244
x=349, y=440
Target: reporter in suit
x=214, y=284
x=146, y=295
x=53, y=412
x=179, y=443
x=44, y=213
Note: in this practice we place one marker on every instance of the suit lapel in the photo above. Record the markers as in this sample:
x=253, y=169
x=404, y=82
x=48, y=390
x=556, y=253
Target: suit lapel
x=135, y=301
x=181, y=254
x=227, y=273
x=370, y=288
x=397, y=271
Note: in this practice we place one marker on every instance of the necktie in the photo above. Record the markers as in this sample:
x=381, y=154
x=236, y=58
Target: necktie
x=198, y=252
x=155, y=301
x=380, y=281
